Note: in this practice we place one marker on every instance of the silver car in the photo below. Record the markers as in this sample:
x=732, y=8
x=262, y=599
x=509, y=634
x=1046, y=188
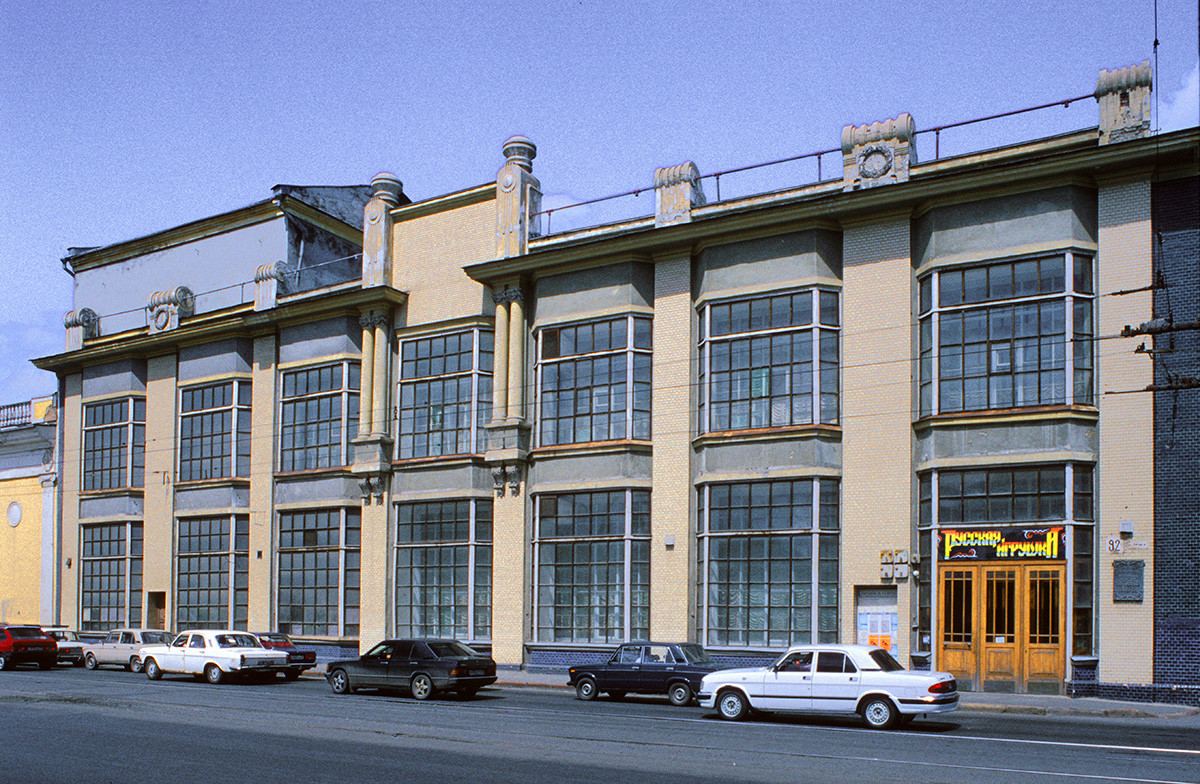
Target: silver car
x=847, y=679
x=122, y=648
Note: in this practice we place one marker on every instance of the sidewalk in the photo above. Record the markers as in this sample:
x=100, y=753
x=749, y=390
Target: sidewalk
x=1030, y=704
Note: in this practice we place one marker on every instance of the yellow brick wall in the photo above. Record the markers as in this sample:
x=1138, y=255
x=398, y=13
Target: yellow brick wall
x=71, y=427
x=876, y=412
x=262, y=463
x=429, y=253
x=672, y=614
x=510, y=597
x=21, y=552
x=159, y=531
x=375, y=595
x=1126, y=471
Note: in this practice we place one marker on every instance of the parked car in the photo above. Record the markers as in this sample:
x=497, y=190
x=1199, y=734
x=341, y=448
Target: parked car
x=20, y=644
x=213, y=654
x=424, y=667
x=70, y=647
x=671, y=668
x=846, y=679
x=122, y=648
x=298, y=660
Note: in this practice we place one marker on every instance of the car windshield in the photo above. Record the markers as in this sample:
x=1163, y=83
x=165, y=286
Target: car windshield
x=885, y=660
x=448, y=649
x=237, y=641
x=62, y=636
x=26, y=633
x=696, y=654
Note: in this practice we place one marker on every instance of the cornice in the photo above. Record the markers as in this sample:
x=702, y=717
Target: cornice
x=240, y=321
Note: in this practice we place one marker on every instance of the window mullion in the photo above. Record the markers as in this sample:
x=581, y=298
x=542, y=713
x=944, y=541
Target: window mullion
x=630, y=385
x=628, y=541
x=471, y=540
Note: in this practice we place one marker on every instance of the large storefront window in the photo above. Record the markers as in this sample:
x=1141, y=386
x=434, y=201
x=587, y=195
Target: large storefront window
x=444, y=569
x=319, y=572
x=318, y=416
x=110, y=566
x=445, y=394
x=769, y=361
x=1007, y=335
x=213, y=568
x=594, y=381
x=214, y=431
x=592, y=553
x=114, y=444
x=768, y=562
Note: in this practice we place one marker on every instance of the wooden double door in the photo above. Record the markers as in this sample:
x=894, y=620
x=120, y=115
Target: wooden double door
x=1002, y=625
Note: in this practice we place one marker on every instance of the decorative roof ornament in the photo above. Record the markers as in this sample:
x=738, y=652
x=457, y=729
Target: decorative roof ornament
x=879, y=153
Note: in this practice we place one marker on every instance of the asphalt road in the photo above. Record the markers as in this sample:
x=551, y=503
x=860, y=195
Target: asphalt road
x=112, y=726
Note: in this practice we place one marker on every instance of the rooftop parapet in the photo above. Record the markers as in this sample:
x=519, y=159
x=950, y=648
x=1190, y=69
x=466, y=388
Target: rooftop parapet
x=1123, y=96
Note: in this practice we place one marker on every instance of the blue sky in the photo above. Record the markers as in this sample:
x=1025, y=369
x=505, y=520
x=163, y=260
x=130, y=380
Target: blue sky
x=123, y=119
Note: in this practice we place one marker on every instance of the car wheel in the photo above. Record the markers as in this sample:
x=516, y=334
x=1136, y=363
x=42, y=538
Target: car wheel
x=879, y=713
x=90, y=662
x=213, y=673
x=732, y=705
x=135, y=664
x=5, y=662
x=679, y=694
x=585, y=689
x=152, y=670
x=339, y=681
x=421, y=686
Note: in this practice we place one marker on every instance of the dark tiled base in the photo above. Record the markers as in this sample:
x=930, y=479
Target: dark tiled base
x=1136, y=692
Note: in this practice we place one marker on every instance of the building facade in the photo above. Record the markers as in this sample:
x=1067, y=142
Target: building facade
x=30, y=551
x=904, y=406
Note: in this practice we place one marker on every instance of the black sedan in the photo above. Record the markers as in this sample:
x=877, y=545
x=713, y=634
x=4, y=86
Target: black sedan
x=671, y=668
x=424, y=667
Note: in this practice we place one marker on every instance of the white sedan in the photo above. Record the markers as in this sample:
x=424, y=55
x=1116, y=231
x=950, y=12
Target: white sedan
x=213, y=655
x=845, y=679
x=122, y=648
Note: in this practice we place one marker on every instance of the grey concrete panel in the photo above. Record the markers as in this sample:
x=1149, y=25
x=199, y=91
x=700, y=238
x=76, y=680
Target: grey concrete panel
x=577, y=294
x=222, y=357
x=329, y=337
x=777, y=457
x=212, y=497
x=204, y=266
x=122, y=377
x=110, y=506
x=996, y=226
x=314, y=489
x=606, y=469
x=943, y=443
x=419, y=482
x=778, y=260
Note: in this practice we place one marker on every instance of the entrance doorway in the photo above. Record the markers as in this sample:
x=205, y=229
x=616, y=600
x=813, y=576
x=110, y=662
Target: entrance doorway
x=1003, y=626
x=156, y=609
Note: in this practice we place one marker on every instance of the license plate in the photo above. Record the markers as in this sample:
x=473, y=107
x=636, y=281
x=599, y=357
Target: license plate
x=478, y=672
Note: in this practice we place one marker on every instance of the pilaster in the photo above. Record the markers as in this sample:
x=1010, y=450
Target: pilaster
x=876, y=413
x=158, y=560
x=672, y=540
x=262, y=483
x=1126, y=471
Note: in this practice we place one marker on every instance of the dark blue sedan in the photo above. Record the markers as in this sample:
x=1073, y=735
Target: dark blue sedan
x=670, y=668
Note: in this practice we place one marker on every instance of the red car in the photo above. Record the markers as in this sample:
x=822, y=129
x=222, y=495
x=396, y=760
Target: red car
x=26, y=644
x=298, y=660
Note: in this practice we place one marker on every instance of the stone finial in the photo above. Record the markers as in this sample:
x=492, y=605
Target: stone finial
x=168, y=307
x=520, y=151
x=518, y=199
x=82, y=324
x=388, y=188
x=1123, y=96
x=270, y=280
x=677, y=190
x=879, y=153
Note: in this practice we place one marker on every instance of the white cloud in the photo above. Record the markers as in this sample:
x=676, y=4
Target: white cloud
x=1182, y=108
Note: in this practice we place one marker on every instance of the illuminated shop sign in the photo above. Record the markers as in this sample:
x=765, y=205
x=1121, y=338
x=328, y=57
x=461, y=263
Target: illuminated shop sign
x=1002, y=544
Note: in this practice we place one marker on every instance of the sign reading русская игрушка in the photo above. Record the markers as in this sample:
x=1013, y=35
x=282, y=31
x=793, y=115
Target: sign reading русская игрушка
x=1000, y=544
